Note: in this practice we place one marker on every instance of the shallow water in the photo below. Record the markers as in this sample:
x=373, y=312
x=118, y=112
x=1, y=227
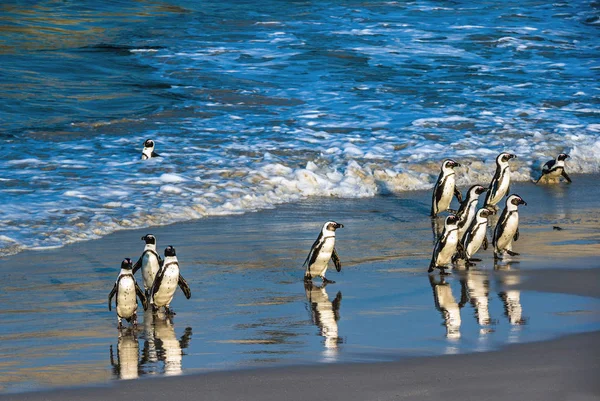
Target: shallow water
x=250, y=308
x=255, y=104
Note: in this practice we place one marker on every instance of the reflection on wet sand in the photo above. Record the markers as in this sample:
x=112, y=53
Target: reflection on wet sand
x=447, y=305
x=162, y=343
x=325, y=314
x=126, y=366
x=478, y=288
x=509, y=296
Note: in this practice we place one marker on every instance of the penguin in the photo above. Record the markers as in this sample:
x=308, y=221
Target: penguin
x=445, y=188
x=507, y=229
x=126, y=366
x=169, y=347
x=149, y=262
x=445, y=247
x=126, y=289
x=148, y=151
x=511, y=297
x=500, y=184
x=166, y=281
x=478, y=287
x=553, y=169
x=476, y=235
x=466, y=212
x=321, y=252
x=447, y=305
x=324, y=313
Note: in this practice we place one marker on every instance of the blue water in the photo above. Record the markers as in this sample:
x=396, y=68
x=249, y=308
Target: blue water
x=258, y=103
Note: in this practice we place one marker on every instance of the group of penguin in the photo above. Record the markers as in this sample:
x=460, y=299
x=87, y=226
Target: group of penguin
x=463, y=235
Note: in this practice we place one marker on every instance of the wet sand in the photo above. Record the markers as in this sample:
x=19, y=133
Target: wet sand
x=247, y=261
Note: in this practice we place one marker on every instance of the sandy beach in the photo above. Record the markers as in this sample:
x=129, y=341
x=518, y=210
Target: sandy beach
x=247, y=332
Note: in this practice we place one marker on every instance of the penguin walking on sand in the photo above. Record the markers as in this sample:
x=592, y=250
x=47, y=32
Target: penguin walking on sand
x=554, y=169
x=476, y=236
x=445, y=188
x=466, y=212
x=321, y=252
x=507, y=229
x=148, y=151
x=166, y=281
x=445, y=247
x=500, y=185
x=149, y=262
x=127, y=291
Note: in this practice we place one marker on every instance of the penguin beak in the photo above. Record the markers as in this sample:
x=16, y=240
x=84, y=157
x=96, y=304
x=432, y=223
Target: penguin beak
x=338, y=225
x=511, y=156
x=522, y=202
x=456, y=164
x=482, y=190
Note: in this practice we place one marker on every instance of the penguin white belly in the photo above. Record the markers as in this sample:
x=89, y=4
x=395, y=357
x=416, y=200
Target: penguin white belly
x=128, y=349
x=510, y=228
x=450, y=310
x=149, y=269
x=172, y=354
x=445, y=254
x=502, y=188
x=476, y=240
x=319, y=267
x=126, y=297
x=479, y=297
x=447, y=193
x=164, y=294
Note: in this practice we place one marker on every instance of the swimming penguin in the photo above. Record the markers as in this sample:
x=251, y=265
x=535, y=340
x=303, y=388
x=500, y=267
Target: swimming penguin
x=553, y=169
x=321, y=252
x=126, y=289
x=475, y=236
x=166, y=281
x=507, y=229
x=445, y=247
x=500, y=184
x=149, y=262
x=466, y=212
x=445, y=188
x=148, y=151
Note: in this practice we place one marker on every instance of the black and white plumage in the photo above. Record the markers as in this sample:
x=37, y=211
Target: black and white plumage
x=148, y=151
x=445, y=247
x=554, y=169
x=507, y=229
x=476, y=235
x=166, y=282
x=445, y=188
x=321, y=252
x=126, y=291
x=149, y=262
x=466, y=212
x=500, y=184
x=447, y=305
x=324, y=313
x=126, y=365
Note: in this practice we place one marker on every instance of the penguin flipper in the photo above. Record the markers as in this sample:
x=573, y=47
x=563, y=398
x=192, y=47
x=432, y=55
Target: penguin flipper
x=141, y=296
x=336, y=260
x=112, y=294
x=485, y=243
x=313, y=251
x=564, y=174
x=137, y=265
x=184, y=287
x=157, y=281
x=335, y=305
x=154, y=154
x=516, y=236
x=458, y=195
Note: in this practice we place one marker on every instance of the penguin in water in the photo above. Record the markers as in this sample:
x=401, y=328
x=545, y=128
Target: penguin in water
x=148, y=151
x=476, y=236
x=126, y=289
x=149, y=262
x=500, y=185
x=321, y=252
x=466, y=212
x=166, y=281
x=554, y=169
x=507, y=229
x=445, y=247
x=445, y=188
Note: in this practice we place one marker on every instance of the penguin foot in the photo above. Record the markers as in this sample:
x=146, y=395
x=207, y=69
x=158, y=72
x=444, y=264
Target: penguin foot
x=474, y=260
x=511, y=253
x=327, y=281
x=444, y=273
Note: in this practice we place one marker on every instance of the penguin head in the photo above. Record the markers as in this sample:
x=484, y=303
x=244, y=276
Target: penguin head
x=484, y=212
x=170, y=251
x=149, y=239
x=451, y=220
x=149, y=144
x=449, y=164
x=476, y=190
x=332, y=226
x=126, y=264
x=513, y=201
x=563, y=157
x=505, y=157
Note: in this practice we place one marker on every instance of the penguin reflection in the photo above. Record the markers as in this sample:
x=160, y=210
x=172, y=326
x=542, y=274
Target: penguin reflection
x=126, y=366
x=163, y=345
x=447, y=305
x=478, y=288
x=324, y=313
x=511, y=298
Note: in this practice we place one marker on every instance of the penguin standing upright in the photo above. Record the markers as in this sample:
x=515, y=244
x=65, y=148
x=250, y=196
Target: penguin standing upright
x=475, y=236
x=321, y=252
x=507, y=228
x=126, y=289
x=445, y=247
x=149, y=262
x=445, y=188
x=554, y=169
x=148, y=151
x=466, y=212
x=500, y=184
x=166, y=281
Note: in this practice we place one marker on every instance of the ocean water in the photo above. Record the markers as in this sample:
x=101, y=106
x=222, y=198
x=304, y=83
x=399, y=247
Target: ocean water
x=258, y=103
